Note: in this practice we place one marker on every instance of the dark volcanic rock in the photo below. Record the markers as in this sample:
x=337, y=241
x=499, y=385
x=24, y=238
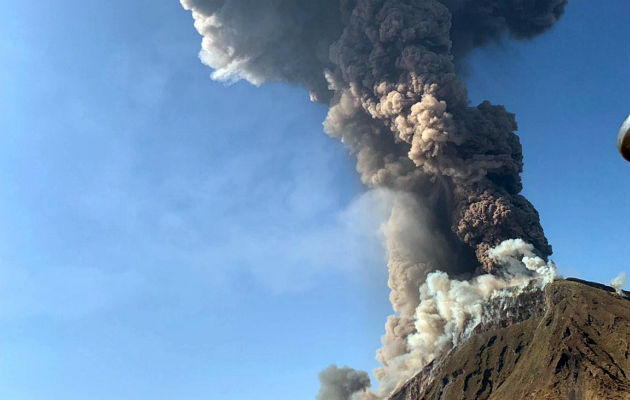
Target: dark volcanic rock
x=573, y=345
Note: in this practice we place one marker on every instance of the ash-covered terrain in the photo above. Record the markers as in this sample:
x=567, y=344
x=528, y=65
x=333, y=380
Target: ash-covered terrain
x=569, y=341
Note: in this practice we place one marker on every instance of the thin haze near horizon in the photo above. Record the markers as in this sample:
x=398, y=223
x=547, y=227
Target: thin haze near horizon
x=162, y=239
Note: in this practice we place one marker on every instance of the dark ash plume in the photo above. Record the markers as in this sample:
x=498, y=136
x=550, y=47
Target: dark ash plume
x=268, y=40
x=387, y=70
x=342, y=383
x=394, y=58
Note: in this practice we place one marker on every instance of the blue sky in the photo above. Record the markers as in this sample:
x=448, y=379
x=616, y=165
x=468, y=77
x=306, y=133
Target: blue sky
x=165, y=236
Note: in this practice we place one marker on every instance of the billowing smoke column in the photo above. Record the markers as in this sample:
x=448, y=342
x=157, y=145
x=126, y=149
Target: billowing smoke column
x=387, y=70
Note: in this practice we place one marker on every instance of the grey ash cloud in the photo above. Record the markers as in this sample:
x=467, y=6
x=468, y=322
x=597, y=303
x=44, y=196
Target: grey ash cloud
x=342, y=383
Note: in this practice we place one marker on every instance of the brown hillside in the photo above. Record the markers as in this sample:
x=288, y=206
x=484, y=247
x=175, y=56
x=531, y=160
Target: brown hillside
x=577, y=348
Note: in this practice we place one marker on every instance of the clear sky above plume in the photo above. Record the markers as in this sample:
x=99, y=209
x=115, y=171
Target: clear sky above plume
x=162, y=239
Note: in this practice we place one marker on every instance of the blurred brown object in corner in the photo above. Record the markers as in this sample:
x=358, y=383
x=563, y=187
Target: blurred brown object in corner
x=623, y=139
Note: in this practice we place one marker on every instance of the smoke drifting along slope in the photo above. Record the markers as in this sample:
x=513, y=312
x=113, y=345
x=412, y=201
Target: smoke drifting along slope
x=342, y=383
x=386, y=68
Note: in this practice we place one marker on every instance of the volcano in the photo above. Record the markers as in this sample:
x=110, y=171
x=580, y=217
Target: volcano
x=568, y=341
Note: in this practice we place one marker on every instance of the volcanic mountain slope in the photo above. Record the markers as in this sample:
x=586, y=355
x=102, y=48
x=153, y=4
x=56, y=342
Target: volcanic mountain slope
x=575, y=348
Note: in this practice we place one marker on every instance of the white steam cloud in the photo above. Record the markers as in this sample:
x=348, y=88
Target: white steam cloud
x=619, y=282
x=449, y=309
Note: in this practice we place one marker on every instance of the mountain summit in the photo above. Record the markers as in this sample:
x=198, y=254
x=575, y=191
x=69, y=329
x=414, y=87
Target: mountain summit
x=572, y=343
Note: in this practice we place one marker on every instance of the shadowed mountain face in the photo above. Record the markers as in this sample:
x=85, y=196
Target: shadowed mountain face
x=573, y=347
